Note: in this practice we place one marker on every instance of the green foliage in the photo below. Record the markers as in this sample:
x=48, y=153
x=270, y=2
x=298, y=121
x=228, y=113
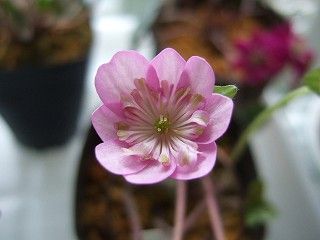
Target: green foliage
x=49, y=5
x=11, y=10
x=228, y=90
x=258, y=211
x=312, y=80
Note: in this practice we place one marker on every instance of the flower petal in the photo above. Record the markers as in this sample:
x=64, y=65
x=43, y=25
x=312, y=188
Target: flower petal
x=199, y=117
x=112, y=157
x=117, y=77
x=203, y=165
x=198, y=74
x=168, y=65
x=143, y=148
x=153, y=173
x=152, y=79
x=104, y=122
x=219, y=109
x=187, y=155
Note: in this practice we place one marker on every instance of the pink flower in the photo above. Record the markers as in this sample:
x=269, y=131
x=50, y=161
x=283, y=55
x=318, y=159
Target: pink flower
x=159, y=119
x=263, y=55
x=260, y=57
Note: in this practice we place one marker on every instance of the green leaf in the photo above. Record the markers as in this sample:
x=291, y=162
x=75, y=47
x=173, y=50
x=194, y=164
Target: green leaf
x=228, y=90
x=49, y=5
x=255, y=191
x=259, y=214
x=258, y=211
x=312, y=80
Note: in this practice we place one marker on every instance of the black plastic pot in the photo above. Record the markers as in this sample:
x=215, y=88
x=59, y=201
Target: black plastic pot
x=41, y=105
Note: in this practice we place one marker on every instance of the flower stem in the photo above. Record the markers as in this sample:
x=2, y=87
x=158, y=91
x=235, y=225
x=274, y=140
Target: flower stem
x=133, y=214
x=262, y=118
x=214, y=214
x=180, y=210
x=192, y=218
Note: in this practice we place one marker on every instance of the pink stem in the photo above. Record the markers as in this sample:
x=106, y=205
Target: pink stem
x=133, y=215
x=180, y=210
x=214, y=214
x=194, y=215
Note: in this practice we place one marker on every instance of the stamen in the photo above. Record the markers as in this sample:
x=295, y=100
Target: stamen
x=122, y=126
x=122, y=134
x=162, y=124
x=164, y=160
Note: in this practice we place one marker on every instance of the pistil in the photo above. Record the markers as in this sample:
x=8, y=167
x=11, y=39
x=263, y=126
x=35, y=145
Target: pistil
x=162, y=125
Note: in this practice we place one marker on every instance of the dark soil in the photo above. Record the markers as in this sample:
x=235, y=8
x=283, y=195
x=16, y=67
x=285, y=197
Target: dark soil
x=48, y=47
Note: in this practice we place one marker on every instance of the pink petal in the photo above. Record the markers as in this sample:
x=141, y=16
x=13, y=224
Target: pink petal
x=153, y=173
x=187, y=155
x=191, y=131
x=143, y=148
x=168, y=65
x=219, y=109
x=203, y=165
x=199, y=75
x=117, y=108
x=111, y=156
x=104, y=122
x=152, y=79
x=199, y=117
x=116, y=77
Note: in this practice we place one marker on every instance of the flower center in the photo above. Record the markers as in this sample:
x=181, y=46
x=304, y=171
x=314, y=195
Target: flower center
x=162, y=124
x=257, y=58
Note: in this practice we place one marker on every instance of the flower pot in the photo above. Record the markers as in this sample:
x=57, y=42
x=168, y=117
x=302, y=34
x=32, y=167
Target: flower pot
x=287, y=154
x=41, y=105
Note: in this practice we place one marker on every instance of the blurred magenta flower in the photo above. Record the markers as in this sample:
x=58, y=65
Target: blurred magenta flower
x=257, y=59
x=159, y=119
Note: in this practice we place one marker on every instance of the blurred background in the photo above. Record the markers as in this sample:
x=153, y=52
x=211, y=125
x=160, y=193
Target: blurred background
x=50, y=185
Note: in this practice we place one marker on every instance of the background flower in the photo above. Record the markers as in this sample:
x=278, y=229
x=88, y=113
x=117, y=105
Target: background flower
x=159, y=119
x=257, y=59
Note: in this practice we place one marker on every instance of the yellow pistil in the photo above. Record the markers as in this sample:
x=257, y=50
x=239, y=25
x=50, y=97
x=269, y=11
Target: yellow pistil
x=162, y=125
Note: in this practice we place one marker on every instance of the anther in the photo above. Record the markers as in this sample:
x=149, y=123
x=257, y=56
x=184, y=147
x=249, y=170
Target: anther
x=162, y=124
